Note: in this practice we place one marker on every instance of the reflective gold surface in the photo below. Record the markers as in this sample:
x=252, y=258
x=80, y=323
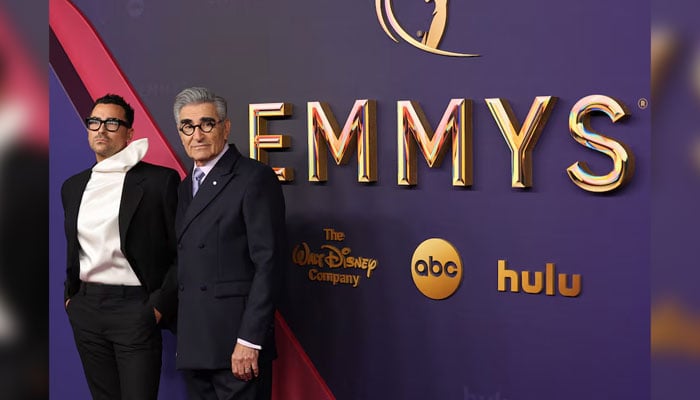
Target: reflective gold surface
x=622, y=157
x=261, y=141
x=413, y=128
x=521, y=140
x=436, y=268
x=323, y=127
x=432, y=38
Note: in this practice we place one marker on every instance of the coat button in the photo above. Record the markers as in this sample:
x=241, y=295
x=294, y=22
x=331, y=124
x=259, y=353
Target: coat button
x=179, y=246
x=182, y=287
x=203, y=288
x=201, y=245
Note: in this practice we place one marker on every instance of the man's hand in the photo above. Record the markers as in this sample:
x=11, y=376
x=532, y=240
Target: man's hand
x=244, y=362
x=158, y=315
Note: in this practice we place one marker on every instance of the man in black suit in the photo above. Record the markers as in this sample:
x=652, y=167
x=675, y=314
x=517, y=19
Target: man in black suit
x=231, y=240
x=121, y=273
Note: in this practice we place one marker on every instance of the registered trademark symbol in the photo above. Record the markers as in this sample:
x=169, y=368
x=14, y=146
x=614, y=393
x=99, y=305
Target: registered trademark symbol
x=643, y=103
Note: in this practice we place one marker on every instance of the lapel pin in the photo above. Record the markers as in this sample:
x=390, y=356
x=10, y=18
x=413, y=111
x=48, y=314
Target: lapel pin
x=214, y=183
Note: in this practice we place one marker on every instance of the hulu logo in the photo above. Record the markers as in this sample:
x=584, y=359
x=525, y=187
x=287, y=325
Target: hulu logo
x=538, y=282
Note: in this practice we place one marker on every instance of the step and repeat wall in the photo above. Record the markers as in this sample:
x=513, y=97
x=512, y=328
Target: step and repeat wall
x=467, y=183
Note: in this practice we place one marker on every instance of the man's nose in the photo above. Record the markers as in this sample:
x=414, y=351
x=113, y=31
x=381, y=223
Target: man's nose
x=198, y=134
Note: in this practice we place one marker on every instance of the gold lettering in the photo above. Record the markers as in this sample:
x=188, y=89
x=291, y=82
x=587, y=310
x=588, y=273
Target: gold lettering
x=549, y=272
x=302, y=255
x=532, y=288
x=542, y=280
x=334, y=278
x=503, y=274
x=261, y=141
x=299, y=254
x=371, y=266
x=322, y=126
x=332, y=234
x=455, y=126
x=521, y=140
x=334, y=258
x=575, y=288
x=622, y=157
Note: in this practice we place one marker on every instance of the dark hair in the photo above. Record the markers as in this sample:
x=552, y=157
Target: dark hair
x=118, y=100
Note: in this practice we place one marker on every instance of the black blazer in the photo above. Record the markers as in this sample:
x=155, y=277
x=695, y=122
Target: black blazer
x=147, y=231
x=231, y=240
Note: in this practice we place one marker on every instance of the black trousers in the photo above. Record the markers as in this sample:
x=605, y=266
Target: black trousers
x=118, y=340
x=220, y=384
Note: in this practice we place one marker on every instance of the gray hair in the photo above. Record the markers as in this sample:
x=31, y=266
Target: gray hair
x=198, y=95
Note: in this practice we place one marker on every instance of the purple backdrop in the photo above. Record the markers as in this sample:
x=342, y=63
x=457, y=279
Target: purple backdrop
x=384, y=339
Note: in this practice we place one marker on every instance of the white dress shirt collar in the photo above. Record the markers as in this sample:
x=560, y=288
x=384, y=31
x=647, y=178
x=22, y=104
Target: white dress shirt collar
x=209, y=165
x=125, y=159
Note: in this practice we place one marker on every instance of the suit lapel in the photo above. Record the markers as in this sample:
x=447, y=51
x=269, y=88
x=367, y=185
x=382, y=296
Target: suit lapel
x=213, y=184
x=73, y=206
x=184, y=193
x=131, y=197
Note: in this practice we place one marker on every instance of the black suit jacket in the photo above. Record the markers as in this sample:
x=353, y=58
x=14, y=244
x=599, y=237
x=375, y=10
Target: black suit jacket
x=146, y=228
x=231, y=240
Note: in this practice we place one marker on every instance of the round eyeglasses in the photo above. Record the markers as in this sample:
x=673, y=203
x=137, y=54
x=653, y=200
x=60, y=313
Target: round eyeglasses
x=111, y=124
x=206, y=126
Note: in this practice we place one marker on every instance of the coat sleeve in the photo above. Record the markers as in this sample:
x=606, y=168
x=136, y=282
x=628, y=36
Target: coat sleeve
x=264, y=215
x=164, y=299
x=72, y=282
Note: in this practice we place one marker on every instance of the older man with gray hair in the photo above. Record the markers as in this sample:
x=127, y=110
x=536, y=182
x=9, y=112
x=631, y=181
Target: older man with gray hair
x=231, y=239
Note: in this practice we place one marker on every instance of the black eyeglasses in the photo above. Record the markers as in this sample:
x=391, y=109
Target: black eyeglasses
x=111, y=124
x=206, y=126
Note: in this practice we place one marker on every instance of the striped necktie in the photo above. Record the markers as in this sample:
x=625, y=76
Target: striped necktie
x=198, y=175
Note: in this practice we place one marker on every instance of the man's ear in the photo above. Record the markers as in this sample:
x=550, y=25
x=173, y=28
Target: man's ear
x=129, y=134
x=227, y=128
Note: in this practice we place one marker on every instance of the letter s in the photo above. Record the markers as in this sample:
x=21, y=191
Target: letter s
x=622, y=157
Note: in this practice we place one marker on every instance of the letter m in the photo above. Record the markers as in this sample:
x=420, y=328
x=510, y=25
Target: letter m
x=413, y=128
x=323, y=127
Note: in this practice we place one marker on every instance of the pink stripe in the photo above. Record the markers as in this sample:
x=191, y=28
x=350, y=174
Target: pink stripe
x=25, y=83
x=100, y=74
x=295, y=375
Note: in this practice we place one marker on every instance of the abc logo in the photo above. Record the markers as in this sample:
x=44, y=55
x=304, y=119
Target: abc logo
x=436, y=268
